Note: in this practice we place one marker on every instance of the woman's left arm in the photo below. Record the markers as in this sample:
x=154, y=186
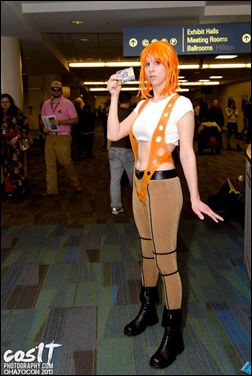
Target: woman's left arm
x=188, y=160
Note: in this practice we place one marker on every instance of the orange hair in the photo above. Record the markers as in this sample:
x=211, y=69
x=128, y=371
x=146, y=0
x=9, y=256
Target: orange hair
x=165, y=54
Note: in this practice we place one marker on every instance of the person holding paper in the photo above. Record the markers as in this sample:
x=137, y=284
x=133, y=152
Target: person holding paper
x=61, y=114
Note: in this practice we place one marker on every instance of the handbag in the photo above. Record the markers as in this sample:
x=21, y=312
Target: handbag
x=25, y=143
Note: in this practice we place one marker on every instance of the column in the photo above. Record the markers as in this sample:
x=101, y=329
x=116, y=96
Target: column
x=11, y=69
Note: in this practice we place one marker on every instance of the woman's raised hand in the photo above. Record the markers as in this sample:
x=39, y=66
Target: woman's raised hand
x=113, y=84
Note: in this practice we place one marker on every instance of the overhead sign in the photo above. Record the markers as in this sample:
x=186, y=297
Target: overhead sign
x=191, y=40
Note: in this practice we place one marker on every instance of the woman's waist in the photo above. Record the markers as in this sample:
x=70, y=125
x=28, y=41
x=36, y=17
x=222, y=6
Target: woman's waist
x=142, y=166
x=158, y=174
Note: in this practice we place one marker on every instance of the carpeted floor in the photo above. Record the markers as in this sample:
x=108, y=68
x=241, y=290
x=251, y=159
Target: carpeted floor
x=71, y=278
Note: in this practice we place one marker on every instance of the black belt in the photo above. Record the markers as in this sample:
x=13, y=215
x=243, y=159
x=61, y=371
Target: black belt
x=158, y=175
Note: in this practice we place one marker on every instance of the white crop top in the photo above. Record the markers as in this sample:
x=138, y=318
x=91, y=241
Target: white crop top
x=145, y=124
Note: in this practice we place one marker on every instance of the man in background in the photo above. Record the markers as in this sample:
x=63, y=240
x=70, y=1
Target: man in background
x=58, y=142
x=215, y=113
x=121, y=157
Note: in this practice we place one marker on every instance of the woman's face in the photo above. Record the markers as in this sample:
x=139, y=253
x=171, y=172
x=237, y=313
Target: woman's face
x=5, y=103
x=155, y=71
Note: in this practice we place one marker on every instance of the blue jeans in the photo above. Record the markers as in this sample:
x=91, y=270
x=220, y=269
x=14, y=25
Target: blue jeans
x=120, y=159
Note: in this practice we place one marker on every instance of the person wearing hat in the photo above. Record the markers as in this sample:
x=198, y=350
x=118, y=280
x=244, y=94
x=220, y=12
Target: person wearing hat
x=58, y=142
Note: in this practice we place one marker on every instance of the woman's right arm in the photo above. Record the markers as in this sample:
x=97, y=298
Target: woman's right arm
x=115, y=129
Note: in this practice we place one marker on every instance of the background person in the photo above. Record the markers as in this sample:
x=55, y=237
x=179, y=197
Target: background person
x=76, y=128
x=247, y=116
x=88, y=131
x=157, y=194
x=121, y=157
x=14, y=126
x=58, y=144
x=232, y=126
x=215, y=113
x=208, y=136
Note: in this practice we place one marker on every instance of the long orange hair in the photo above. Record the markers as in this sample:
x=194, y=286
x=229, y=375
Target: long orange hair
x=165, y=54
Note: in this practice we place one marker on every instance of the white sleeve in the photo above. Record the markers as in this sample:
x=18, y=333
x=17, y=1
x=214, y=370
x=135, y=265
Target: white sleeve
x=181, y=107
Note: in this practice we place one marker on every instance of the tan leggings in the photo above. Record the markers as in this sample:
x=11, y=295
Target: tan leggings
x=157, y=224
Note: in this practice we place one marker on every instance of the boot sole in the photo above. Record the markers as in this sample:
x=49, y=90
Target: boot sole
x=164, y=365
x=133, y=334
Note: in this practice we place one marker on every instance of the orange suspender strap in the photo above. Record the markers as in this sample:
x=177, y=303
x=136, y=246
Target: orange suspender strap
x=159, y=152
x=132, y=138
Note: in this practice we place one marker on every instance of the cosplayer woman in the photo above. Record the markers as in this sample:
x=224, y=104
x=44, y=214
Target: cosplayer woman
x=156, y=126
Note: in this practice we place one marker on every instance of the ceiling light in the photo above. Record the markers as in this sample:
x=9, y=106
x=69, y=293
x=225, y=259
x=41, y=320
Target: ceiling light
x=131, y=82
x=191, y=83
x=98, y=89
x=211, y=83
x=197, y=83
x=106, y=64
x=224, y=66
x=138, y=64
x=226, y=56
x=123, y=64
x=128, y=89
x=215, y=77
x=90, y=83
x=87, y=83
x=189, y=66
x=77, y=22
x=181, y=90
x=105, y=89
x=87, y=65
x=202, y=80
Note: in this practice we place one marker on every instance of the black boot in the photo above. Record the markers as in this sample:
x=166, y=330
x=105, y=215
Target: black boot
x=147, y=314
x=172, y=343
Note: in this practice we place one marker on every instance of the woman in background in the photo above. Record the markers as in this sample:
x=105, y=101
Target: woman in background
x=14, y=125
x=232, y=126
